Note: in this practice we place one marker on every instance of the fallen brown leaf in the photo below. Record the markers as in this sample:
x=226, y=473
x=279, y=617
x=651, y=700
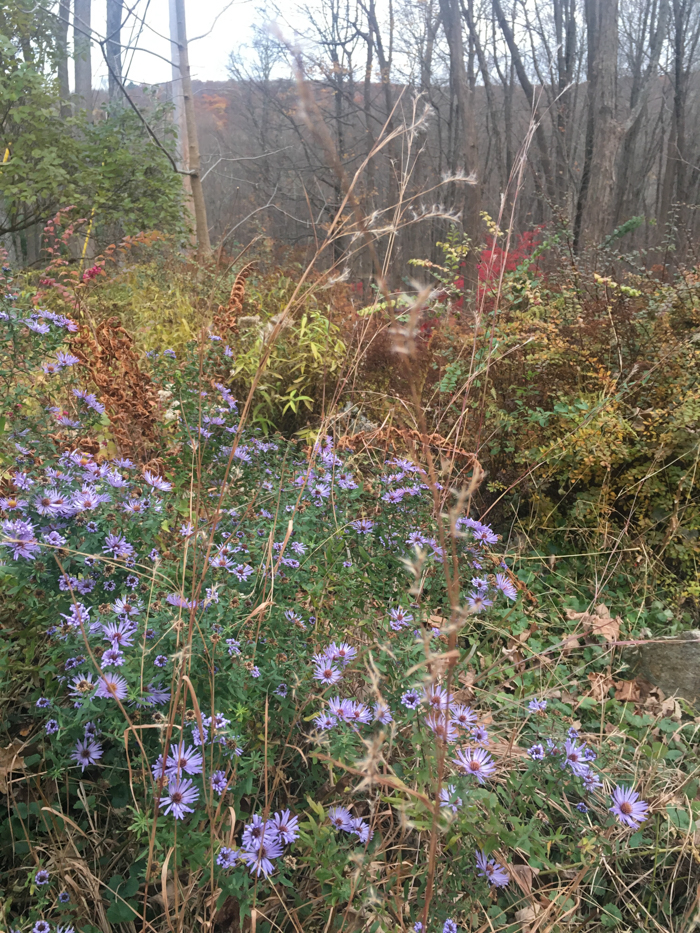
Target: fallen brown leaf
x=598, y=622
x=527, y=915
x=600, y=685
x=523, y=875
x=627, y=691
x=10, y=760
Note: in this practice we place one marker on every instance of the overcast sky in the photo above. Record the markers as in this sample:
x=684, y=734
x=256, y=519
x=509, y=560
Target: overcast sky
x=208, y=55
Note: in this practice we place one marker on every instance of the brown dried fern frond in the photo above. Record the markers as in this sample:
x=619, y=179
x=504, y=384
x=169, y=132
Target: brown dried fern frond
x=225, y=317
x=128, y=394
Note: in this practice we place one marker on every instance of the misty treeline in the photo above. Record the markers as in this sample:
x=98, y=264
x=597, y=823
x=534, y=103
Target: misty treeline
x=581, y=113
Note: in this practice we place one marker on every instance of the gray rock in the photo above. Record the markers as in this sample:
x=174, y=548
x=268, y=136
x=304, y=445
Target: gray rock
x=673, y=664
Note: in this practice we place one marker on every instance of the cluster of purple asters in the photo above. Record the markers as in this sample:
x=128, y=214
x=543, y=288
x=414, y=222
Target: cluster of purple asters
x=341, y=819
x=263, y=841
x=328, y=665
x=351, y=712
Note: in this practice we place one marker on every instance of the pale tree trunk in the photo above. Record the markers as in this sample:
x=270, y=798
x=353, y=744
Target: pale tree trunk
x=685, y=38
x=63, y=87
x=82, y=56
x=529, y=91
x=200, y=211
x=114, y=46
x=605, y=134
x=467, y=195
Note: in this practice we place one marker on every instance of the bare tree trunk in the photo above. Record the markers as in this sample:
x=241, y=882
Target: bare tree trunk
x=114, y=44
x=200, y=211
x=605, y=134
x=526, y=84
x=466, y=142
x=82, y=55
x=63, y=86
x=685, y=39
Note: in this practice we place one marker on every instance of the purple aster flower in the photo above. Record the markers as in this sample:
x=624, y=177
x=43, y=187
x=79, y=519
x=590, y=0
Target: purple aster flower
x=54, y=539
x=186, y=529
x=399, y=618
x=43, y=703
x=90, y=400
x=66, y=359
x=324, y=722
x=12, y=503
x=81, y=685
x=257, y=830
x=287, y=826
x=120, y=634
x=118, y=546
x=340, y=818
x=362, y=830
x=537, y=706
x=591, y=781
x=21, y=539
x=183, y=759
x=483, y=533
x=462, y=716
x=357, y=713
x=573, y=758
x=36, y=326
x=411, y=699
x=362, y=526
x=506, y=586
x=112, y=686
x=627, y=807
x=132, y=581
x=87, y=752
x=493, y=871
x=327, y=673
x=79, y=615
x=41, y=877
x=156, y=481
x=259, y=859
x=181, y=793
x=242, y=572
x=477, y=762
x=449, y=926
x=218, y=782
x=234, y=646
x=536, y=752
x=88, y=499
x=64, y=897
x=418, y=927
x=437, y=698
x=90, y=730
x=572, y=733
x=160, y=661
x=281, y=690
x=22, y=481
x=581, y=807
x=442, y=727
x=477, y=602
x=227, y=858
x=112, y=657
x=109, y=586
x=41, y=926
x=449, y=798
x=255, y=671
x=480, y=735
x=382, y=713
x=299, y=547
